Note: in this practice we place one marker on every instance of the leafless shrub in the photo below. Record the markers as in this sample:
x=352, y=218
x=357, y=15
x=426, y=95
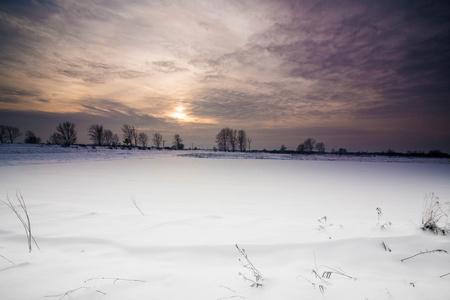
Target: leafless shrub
x=257, y=277
x=25, y=220
x=435, y=215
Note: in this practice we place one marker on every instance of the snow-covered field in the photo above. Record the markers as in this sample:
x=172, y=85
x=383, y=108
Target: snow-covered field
x=95, y=243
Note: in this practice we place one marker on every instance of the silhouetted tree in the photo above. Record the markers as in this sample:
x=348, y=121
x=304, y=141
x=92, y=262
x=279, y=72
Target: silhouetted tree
x=115, y=140
x=143, y=139
x=135, y=135
x=320, y=147
x=178, y=142
x=65, y=134
x=222, y=139
x=232, y=139
x=31, y=138
x=54, y=139
x=12, y=133
x=157, y=139
x=96, y=134
x=283, y=149
x=249, y=141
x=309, y=144
x=242, y=140
x=300, y=148
x=342, y=151
x=108, y=137
x=128, y=133
x=228, y=139
x=3, y=137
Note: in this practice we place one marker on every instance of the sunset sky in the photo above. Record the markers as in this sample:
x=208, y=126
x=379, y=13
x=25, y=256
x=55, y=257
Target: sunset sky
x=362, y=75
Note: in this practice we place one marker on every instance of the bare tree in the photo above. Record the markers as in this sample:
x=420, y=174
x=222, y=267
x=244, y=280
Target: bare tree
x=96, y=134
x=128, y=133
x=249, y=141
x=222, y=139
x=108, y=137
x=283, y=149
x=157, y=139
x=115, y=140
x=65, y=134
x=12, y=133
x=178, y=142
x=309, y=144
x=320, y=147
x=242, y=140
x=135, y=135
x=301, y=148
x=232, y=139
x=54, y=139
x=143, y=139
x=31, y=138
x=3, y=136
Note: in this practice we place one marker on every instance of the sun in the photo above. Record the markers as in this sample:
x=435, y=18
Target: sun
x=178, y=114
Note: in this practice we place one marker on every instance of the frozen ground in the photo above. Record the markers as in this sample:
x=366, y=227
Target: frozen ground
x=95, y=244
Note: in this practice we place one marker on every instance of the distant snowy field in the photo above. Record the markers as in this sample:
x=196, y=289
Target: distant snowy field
x=95, y=243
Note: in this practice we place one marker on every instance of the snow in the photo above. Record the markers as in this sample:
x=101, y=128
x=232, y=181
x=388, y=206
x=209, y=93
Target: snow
x=95, y=244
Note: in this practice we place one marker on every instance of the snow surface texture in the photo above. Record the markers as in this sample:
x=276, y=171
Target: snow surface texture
x=96, y=244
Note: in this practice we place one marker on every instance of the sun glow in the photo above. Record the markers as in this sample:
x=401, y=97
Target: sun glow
x=178, y=114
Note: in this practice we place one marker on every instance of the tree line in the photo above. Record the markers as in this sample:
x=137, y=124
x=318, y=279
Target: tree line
x=9, y=134
x=232, y=139
x=227, y=139
x=66, y=135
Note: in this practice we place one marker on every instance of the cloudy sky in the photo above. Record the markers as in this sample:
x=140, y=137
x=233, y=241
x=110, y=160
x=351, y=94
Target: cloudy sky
x=363, y=75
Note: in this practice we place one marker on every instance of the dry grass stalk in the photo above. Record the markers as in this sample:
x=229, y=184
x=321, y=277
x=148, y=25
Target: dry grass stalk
x=435, y=215
x=26, y=224
x=135, y=204
x=327, y=274
x=66, y=293
x=113, y=278
x=249, y=265
x=7, y=259
x=379, y=213
x=425, y=252
x=386, y=248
